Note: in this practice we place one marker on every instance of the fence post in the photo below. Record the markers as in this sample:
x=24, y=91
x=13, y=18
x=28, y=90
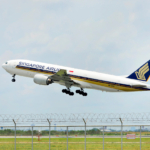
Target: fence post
x=15, y=133
x=103, y=137
x=32, y=137
x=140, y=138
x=121, y=133
x=67, y=137
x=49, y=133
x=85, y=132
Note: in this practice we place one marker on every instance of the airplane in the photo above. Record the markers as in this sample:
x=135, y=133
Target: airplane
x=46, y=74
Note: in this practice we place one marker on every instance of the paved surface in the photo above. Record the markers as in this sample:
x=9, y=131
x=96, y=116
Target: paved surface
x=70, y=137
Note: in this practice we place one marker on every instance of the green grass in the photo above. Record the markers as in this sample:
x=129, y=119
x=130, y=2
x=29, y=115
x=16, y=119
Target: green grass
x=74, y=144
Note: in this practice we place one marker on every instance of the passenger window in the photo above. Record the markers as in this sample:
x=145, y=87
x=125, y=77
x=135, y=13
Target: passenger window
x=6, y=63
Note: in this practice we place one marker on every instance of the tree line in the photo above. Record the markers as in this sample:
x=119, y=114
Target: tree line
x=10, y=132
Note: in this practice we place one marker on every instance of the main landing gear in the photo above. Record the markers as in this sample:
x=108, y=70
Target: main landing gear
x=14, y=80
x=68, y=92
x=81, y=92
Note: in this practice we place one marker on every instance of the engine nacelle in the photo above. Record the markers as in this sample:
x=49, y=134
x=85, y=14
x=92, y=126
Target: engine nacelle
x=42, y=79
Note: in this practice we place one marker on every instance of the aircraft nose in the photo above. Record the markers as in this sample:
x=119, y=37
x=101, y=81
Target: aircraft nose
x=4, y=66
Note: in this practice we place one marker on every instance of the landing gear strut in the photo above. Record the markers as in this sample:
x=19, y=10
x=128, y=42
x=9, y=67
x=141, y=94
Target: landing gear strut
x=68, y=92
x=81, y=92
x=14, y=80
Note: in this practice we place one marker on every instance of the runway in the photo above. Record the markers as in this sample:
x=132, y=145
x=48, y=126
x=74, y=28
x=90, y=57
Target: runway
x=19, y=137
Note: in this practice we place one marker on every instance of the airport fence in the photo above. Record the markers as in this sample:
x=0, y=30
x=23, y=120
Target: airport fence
x=88, y=131
x=75, y=137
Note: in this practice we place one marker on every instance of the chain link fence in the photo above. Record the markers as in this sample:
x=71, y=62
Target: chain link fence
x=75, y=132
x=75, y=137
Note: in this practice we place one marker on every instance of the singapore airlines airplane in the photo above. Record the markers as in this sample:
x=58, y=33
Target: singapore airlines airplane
x=45, y=74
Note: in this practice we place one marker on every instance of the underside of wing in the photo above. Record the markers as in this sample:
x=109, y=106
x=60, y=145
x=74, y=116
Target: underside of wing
x=63, y=78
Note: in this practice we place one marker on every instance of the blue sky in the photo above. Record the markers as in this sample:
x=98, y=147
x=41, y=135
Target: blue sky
x=104, y=36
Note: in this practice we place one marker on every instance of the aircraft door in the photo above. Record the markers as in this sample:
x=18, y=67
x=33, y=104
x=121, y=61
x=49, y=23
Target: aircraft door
x=13, y=65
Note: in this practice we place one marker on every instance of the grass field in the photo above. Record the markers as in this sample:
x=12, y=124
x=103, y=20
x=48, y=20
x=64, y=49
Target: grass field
x=74, y=144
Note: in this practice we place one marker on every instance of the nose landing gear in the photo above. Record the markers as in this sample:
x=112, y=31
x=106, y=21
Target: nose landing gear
x=14, y=80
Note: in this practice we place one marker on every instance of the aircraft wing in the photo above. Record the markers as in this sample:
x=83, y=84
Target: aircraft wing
x=63, y=78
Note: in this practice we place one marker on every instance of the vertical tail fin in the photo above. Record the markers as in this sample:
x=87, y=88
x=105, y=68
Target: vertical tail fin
x=142, y=74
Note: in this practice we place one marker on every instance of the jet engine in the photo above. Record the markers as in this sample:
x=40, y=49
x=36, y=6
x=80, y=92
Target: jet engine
x=42, y=79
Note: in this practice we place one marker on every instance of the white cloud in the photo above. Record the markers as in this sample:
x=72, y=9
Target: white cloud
x=61, y=43
x=5, y=56
x=27, y=90
x=32, y=38
x=132, y=17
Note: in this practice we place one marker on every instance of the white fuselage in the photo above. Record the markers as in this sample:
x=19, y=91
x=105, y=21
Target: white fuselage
x=85, y=79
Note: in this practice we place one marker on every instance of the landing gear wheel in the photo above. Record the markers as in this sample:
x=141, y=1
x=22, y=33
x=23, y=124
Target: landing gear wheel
x=67, y=92
x=13, y=80
x=84, y=94
x=71, y=93
x=81, y=92
x=64, y=90
x=77, y=91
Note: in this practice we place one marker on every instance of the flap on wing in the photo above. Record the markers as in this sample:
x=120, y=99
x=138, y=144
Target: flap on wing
x=63, y=78
x=61, y=72
x=139, y=85
x=61, y=75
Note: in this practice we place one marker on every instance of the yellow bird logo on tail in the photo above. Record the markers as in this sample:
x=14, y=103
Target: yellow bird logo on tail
x=142, y=71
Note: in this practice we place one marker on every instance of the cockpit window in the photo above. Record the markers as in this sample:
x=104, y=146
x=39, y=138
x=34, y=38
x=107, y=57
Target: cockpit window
x=6, y=63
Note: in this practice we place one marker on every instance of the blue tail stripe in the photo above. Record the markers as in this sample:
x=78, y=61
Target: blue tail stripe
x=142, y=74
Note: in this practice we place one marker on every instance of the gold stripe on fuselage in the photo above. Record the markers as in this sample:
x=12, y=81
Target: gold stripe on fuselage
x=92, y=81
x=109, y=85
